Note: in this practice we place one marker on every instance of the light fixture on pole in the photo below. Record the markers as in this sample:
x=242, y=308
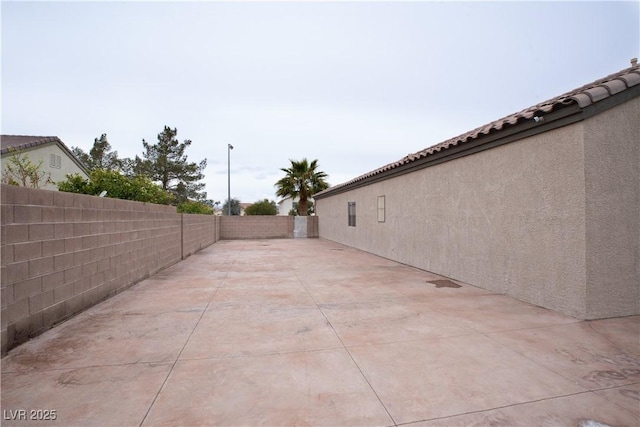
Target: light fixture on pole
x=229, y=148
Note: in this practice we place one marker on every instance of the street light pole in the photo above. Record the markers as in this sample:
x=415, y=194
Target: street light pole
x=229, y=148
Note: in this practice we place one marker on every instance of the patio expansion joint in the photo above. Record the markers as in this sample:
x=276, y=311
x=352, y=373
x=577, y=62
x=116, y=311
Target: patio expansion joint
x=255, y=355
x=589, y=323
x=500, y=407
x=415, y=340
x=488, y=335
x=347, y=350
x=173, y=364
x=529, y=328
x=614, y=402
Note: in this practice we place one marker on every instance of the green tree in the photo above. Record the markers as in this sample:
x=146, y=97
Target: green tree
x=301, y=181
x=263, y=207
x=195, y=207
x=117, y=186
x=100, y=156
x=310, y=209
x=235, y=207
x=166, y=163
x=21, y=171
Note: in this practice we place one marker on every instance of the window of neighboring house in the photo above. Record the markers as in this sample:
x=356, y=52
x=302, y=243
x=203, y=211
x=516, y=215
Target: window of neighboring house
x=55, y=161
x=352, y=214
x=380, y=208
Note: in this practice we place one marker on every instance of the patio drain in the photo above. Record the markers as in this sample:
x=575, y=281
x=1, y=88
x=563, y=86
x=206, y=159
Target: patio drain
x=444, y=284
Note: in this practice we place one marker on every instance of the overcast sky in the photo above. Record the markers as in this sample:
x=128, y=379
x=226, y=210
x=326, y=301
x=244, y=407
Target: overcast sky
x=355, y=85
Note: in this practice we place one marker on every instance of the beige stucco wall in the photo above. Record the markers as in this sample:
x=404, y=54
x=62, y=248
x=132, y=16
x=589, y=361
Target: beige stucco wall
x=553, y=219
x=42, y=153
x=510, y=219
x=612, y=182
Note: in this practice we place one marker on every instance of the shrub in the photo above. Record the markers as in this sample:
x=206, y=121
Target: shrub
x=194, y=207
x=264, y=207
x=117, y=186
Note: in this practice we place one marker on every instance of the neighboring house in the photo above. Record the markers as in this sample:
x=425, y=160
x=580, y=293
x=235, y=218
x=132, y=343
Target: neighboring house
x=285, y=205
x=57, y=159
x=243, y=207
x=221, y=212
x=542, y=205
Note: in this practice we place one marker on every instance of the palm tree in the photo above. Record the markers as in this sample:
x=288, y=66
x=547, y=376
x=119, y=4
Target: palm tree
x=301, y=181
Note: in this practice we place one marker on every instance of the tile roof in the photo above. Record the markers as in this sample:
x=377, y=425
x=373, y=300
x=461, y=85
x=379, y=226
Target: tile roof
x=583, y=97
x=21, y=142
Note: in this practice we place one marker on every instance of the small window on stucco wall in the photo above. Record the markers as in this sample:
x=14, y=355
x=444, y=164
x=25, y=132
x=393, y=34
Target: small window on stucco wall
x=380, y=208
x=352, y=213
x=55, y=161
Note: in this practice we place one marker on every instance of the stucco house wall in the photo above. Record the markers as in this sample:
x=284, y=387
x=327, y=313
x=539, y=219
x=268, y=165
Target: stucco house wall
x=285, y=205
x=58, y=174
x=41, y=150
x=552, y=219
x=612, y=211
x=511, y=220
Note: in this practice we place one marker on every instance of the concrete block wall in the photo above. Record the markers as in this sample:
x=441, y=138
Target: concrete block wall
x=312, y=226
x=62, y=253
x=198, y=232
x=256, y=227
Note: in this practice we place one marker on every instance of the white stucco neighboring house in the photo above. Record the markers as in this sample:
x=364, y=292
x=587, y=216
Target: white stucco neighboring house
x=285, y=205
x=57, y=160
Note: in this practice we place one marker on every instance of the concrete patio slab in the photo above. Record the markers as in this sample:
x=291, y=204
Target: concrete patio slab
x=454, y=375
x=103, y=339
x=270, y=294
x=99, y=396
x=302, y=388
x=627, y=397
x=561, y=411
x=593, y=360
x=158, y=301
x=490, y=313
x=309, y=332
x=389, y=321
x=229, y=331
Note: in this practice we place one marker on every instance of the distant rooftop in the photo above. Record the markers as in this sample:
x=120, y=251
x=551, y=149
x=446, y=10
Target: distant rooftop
x=21, y=142
x=24, y=142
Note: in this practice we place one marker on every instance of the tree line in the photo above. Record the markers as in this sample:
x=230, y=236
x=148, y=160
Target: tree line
x=162, y=174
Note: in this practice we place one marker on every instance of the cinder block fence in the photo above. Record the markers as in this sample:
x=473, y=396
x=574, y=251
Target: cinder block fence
x=62, y=253
x=264, y=227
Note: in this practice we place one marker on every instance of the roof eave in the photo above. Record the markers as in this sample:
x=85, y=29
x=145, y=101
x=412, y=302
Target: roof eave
x=562, y=110
x=72, y=156
x=48, y=140
x=570, y=113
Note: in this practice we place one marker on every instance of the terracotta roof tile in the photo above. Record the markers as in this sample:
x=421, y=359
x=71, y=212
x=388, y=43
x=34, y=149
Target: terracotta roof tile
x=20, y=142
x=615, y=86
x=583, y=96
x=631, y=79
